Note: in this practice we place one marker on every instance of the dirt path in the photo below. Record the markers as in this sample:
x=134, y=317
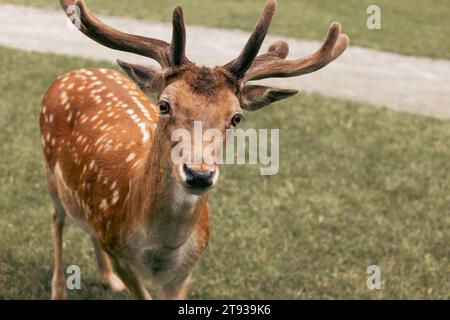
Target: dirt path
x=418, y=85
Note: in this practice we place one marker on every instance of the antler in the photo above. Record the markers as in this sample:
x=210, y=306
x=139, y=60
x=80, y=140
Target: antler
x=167, y=55
x=242, y=63
x=273, y=65
x=178, y=45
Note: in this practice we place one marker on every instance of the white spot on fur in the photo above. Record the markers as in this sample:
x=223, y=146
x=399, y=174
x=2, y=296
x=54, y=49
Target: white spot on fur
x=104, y=205
x=131, y=157
x=115, y=198
x=64, y=97
x=93, y=84
x=144, y=131
x=98, y=99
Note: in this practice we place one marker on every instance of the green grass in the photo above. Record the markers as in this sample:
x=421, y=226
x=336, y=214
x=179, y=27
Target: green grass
x=357, y=186
x=411, y=27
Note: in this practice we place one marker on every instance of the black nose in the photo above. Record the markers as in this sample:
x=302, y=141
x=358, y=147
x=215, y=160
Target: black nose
x=196, y=179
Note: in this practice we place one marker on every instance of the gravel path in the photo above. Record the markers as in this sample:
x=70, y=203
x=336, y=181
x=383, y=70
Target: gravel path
x=413, y=84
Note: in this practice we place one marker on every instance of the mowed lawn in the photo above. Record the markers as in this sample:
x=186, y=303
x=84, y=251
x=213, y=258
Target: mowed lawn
x=357, y=186
x=412, y=27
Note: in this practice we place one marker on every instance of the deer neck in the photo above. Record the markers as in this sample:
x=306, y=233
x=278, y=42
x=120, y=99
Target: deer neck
x=168, y=214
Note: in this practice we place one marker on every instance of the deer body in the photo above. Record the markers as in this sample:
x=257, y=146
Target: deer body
x=98, y=133
x=109, y=150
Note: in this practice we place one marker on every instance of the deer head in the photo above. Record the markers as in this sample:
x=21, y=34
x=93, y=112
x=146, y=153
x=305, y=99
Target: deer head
x=214, y=96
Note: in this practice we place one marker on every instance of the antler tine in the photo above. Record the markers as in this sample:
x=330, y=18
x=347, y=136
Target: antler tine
x=274, y=66
x=242, y=63
x=178, y=45
x=114, y=39
x=277, y=50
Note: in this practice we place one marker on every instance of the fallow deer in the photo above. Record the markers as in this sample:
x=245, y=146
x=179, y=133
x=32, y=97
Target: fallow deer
x=107, y=147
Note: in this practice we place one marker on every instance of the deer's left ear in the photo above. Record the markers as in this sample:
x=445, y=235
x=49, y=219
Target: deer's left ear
x=148, y=79
x=256, y=97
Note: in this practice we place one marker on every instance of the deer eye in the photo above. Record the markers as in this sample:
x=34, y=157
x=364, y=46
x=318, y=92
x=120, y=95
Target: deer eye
x=164, y=107
x=237, y=118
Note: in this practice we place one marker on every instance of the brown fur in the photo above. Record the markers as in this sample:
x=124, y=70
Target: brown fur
x=103, y=174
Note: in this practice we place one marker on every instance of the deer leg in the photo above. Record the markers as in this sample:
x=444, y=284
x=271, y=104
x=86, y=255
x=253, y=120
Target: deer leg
x=131, y=279
x=109, y=278
x=176, y=289
x=58, y=281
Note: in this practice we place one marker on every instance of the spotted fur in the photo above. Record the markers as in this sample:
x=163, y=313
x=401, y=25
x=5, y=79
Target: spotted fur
x=103, y=168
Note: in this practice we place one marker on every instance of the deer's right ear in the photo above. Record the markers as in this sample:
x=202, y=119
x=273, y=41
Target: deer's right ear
x=148, y=79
